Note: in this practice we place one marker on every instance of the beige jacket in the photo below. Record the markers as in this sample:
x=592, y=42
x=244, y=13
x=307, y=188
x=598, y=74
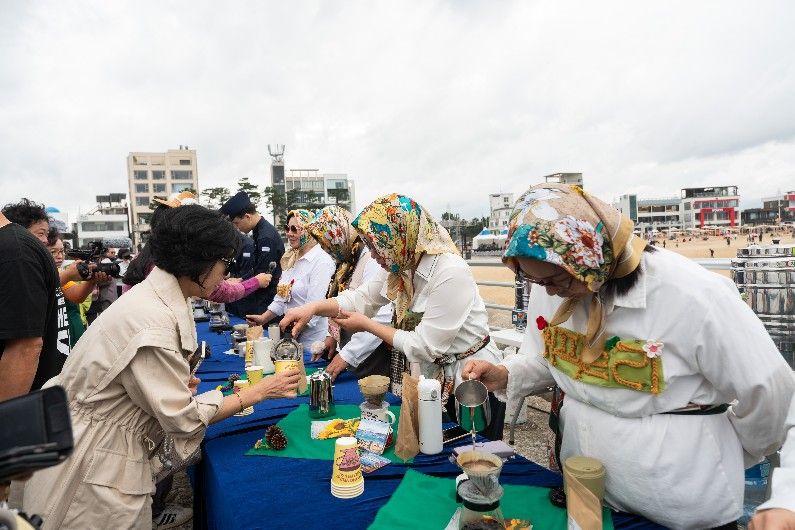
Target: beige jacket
x=126, y=380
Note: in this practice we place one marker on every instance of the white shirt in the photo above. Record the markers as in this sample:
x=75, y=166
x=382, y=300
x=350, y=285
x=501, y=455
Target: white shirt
x=362, y=344
x=454, y=316
x=680, y=471
x=310, y=276
x=783, y=494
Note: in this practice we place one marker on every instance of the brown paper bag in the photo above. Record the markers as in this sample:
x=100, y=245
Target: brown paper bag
x=407, y=444
x=583, y=507
x=252, y=333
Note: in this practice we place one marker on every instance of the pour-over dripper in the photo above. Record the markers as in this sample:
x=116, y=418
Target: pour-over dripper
x=483, y=470
x=374, y=388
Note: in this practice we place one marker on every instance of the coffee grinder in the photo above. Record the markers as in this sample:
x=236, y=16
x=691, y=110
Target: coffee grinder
x=480, y=491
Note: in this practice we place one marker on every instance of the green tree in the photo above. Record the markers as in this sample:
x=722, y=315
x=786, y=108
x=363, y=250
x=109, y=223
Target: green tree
x=215, y=197
x=253, y=191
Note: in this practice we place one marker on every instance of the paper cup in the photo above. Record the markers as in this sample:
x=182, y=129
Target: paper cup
x=346, y=475
x=262, y=355
x=589, y=471
x=254, y=374
x=282, y=365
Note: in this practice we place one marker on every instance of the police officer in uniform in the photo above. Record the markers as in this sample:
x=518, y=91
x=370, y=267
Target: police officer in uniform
x=268, y=247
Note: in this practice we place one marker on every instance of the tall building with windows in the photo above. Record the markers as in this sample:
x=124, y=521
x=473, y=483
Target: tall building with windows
x=651, y=214
x=717, y=206
x=500, y=208
x=153, y=175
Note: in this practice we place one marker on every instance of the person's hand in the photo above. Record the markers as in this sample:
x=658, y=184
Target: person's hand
x=494, y=376
x=352, y=322
x=299, y=316
x=264, y=279
x=71, y=274
x=193, y=385
x=773, y=519
x=329, y=344
x=256, y=320
x=100, y=277
x=336, y=367
x=330, y=347
x=283, y=384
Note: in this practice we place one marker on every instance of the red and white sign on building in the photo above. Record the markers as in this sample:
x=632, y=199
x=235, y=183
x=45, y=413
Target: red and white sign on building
x=714, y=206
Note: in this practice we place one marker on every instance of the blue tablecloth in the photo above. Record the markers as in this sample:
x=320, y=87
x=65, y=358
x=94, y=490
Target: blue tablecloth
x=234, y=491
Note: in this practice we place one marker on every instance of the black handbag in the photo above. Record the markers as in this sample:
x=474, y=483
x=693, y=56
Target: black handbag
x=35, y=432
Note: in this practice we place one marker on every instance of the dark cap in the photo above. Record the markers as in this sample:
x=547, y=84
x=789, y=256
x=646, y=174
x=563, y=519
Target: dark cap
x=235, y=206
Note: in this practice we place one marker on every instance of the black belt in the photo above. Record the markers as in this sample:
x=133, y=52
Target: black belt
x=703, y=410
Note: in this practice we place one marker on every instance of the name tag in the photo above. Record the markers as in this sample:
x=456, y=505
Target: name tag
x=246, y=254
x=266, y=249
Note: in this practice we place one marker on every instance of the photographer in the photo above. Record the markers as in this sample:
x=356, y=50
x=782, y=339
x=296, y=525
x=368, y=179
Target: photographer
x=34, y=327
x=74, y=292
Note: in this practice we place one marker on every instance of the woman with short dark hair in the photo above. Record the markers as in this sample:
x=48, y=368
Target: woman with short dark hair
x=129, y=383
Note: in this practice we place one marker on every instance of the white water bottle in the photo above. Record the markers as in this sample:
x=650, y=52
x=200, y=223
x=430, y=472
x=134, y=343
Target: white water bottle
x=429, y=392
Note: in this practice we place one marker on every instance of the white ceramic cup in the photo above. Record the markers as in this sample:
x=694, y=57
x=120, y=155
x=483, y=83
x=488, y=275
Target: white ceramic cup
x=380, y=413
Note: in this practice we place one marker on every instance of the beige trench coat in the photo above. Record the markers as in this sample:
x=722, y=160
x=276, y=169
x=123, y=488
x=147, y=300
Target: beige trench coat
x=126, y=380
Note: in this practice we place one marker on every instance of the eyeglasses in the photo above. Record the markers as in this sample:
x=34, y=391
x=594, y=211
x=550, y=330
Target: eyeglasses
x=54, y=252
x=294, y=229
x=551, y=282
x=228, y=262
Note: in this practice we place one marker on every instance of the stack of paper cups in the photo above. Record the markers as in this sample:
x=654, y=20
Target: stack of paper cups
x=347, y=481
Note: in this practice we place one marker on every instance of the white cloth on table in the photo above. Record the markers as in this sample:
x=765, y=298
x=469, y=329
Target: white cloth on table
x=310, y=278
x=680, y=471
x=454, y=315
x=783, y=491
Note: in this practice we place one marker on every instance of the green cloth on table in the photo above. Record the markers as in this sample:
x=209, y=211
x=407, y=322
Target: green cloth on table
x=422, y=501
x=297, y=427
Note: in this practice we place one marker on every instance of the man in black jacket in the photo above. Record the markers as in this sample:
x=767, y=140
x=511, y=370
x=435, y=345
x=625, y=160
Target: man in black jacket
x=268, y=248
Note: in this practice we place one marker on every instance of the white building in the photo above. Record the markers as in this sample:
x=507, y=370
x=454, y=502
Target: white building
x=714, y=206
x=108, y=221
x=565, y=178
x=153, y=175
x=500, y=208
x=310, y=187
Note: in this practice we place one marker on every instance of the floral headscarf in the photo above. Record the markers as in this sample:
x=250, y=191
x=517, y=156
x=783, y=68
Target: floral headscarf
x=401, y=231
x=565, y=226
x=332, y=229
x=290, y=257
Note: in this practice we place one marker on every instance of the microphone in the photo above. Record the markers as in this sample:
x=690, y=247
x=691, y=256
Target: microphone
x=271, y=267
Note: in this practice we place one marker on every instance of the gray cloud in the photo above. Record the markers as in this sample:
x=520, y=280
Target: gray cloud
x=446, y=101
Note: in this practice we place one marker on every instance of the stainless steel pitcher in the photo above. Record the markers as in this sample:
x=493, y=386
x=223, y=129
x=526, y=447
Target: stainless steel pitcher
x=321, y=395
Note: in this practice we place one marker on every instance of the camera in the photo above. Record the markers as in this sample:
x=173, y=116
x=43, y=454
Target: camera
x=94, y=254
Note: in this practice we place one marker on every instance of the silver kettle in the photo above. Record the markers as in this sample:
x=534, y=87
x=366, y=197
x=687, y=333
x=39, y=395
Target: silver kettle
x=321, y=395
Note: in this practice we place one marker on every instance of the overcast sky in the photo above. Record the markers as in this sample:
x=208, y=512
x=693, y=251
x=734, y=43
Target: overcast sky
x=446, y=101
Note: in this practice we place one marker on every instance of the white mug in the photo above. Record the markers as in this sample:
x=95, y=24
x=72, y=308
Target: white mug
x=381, y=413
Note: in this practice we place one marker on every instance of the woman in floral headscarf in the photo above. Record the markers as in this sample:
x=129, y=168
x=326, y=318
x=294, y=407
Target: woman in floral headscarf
x=649, y=348
x=306, y=270
x=333, y=231
x=439, y=317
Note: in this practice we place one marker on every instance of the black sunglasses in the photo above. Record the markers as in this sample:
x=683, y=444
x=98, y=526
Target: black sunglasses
x=228, y=262
x=294, y=229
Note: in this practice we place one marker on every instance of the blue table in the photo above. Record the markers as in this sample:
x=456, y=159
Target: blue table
x=247, y=492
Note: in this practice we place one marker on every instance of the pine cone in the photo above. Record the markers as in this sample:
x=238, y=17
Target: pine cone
x=275, y=438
